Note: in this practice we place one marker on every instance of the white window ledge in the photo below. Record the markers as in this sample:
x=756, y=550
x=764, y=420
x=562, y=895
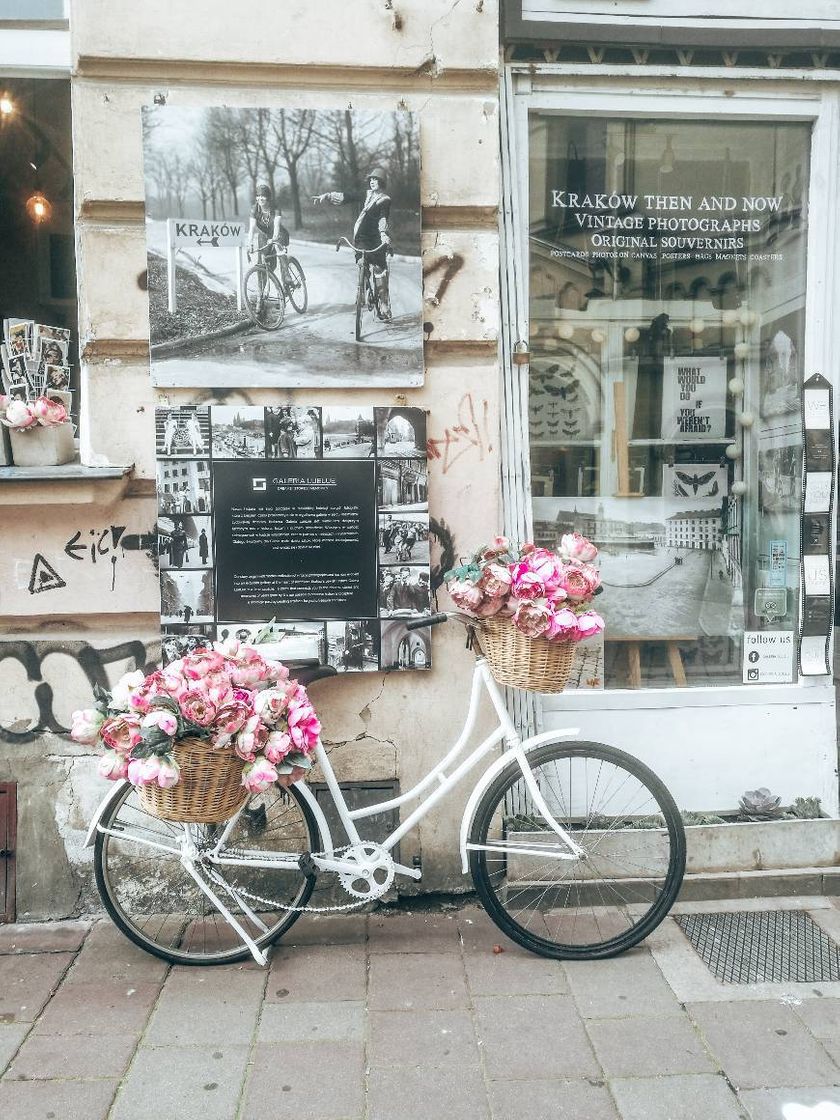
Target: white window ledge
x=71, y=484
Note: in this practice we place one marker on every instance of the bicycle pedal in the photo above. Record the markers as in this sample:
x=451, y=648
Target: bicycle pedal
x=308, y=866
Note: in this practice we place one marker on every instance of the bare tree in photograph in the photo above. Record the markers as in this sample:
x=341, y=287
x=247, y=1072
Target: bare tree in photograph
x=222, y=138
x=293, y=130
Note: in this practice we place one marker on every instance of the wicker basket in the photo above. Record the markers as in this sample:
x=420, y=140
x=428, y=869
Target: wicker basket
x=531, y=663
x=210, y=789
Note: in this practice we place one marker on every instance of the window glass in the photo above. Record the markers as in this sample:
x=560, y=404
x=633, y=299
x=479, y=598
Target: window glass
x=667, y=308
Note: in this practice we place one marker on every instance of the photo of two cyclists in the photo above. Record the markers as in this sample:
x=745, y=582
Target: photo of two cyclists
x=283, y=246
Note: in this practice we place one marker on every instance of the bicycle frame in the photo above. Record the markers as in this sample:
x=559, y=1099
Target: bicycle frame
x=440, y=777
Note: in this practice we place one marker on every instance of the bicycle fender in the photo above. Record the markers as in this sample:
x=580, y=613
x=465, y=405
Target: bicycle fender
x=506, y=759
x=97, y=816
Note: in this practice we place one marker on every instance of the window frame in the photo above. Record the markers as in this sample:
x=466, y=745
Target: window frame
x=722, y=96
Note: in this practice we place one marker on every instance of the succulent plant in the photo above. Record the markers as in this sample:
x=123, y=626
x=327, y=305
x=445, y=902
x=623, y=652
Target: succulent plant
x=806, y=808
x=760, y=805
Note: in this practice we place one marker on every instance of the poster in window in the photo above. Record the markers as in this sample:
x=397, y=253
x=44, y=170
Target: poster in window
x=694, y=398
x=781, y=366
x=273, y=530
x=283, y=246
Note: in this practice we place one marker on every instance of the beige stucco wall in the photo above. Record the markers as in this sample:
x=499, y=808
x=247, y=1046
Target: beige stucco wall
x=434, y=57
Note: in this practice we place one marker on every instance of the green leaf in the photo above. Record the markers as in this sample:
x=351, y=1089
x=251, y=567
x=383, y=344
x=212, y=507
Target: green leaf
x=296, y=758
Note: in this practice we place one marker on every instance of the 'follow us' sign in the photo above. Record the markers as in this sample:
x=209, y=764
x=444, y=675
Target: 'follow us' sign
x=202, y=236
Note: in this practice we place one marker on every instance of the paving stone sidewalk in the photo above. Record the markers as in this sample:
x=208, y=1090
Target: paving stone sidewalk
x=407, y=1017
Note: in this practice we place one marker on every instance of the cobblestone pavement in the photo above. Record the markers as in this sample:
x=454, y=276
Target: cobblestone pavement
x=409, y=1016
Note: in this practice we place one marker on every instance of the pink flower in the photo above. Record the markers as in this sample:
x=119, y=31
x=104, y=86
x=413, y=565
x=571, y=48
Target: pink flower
x=165, y=720
x=173, y=682
x=490, y=607
x=497, y=547
x=277, y=746
x=202, y=662
x=304, y=725
x=48, y=413
x=589, y=624
x=197, y=707
x=86, y=725
x=526, y=584
x=113, y=766
x=19, y=416
x=465, y=595
x=258, y=776
x=573, y=546
x=250, y=739
x=232, y=716
x=250, y=670
x=548, y=566
x=121, y=733
x=495, y=581
x=532, y=618
x=271, y=704
x=580, y=581
x=169, y=772
x=125, y=686
x=144, y=771
x=562, y=626
x=527, y=548
x=277, y=671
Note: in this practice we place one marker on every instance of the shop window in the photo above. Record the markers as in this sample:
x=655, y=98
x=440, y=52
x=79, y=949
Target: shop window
x=37, y=246
x=667, y=315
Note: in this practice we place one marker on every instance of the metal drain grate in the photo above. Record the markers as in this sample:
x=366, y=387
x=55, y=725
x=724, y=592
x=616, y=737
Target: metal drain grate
x=759, y=946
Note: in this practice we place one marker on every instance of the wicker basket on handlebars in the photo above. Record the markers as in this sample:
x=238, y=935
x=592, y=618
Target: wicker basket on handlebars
x=531, y=663
x=210, y=789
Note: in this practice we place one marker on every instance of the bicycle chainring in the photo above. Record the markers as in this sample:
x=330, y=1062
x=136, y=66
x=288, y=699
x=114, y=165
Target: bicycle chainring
x=375, y=874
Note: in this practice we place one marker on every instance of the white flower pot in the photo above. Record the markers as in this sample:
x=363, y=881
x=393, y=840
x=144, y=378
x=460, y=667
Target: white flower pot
x=43, y=447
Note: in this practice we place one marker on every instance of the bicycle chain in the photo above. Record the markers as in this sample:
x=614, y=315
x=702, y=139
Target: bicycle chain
x=297, y=909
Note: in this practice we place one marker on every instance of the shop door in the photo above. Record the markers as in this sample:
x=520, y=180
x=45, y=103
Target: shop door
x=668, y=267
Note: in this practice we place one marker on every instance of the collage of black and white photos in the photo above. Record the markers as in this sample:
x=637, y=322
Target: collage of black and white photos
x=34, y=361
x=225, y=474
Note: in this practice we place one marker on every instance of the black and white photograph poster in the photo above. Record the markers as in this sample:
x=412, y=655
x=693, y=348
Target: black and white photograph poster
x=283, y=246
x=694, y=398
x=296, y=525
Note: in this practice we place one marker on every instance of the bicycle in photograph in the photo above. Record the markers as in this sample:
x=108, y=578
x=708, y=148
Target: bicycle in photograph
x=367, y=295
x=265, y=293
x=576, y=849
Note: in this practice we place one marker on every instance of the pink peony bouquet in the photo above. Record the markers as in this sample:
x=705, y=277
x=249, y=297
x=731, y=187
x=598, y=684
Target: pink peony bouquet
x=227, y=693
x=545, y=594
x=21, y=415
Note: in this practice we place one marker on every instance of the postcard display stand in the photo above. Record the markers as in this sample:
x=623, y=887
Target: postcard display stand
x=817, y=507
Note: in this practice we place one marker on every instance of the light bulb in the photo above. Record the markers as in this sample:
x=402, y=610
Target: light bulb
x=742, y=349
x=565, y=330
x=729, y=318
x=697, y=326
x=747, y=317
x=736, y=387
x=39, y=208
x=739, y=488
x=733, y=451
x=7, y=106
x=746, y=419
x=598, y=336
x=632, y=334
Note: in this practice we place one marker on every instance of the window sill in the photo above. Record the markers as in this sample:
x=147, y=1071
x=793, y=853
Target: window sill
x=71, y=484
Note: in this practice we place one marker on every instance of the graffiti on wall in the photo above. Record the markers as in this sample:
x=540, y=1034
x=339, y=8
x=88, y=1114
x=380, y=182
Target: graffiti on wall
x=94, y=665
x=91, y=547
x=469, y=434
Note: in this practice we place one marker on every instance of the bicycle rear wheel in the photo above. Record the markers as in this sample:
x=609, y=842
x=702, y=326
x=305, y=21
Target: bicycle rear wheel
x=298, y=295
x=624, y=818
x=264, y=299
x=156, y=903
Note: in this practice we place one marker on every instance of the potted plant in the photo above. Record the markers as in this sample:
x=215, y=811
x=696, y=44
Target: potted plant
x=40, y=432
x=199, y=735
x=531, y=606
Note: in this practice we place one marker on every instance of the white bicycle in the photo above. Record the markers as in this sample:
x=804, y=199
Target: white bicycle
x=576, y=849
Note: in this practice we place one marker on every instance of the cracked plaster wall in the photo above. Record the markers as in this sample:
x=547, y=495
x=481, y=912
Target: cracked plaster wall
x=438, y=58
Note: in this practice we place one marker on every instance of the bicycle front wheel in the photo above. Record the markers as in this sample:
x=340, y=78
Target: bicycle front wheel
x=298, y=295
x=158, y=905
x=598, y=905
x=264, y=298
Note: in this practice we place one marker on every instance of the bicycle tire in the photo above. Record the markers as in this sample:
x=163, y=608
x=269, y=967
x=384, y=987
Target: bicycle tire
x=594, y=902
x=175, y=936
x=262, y=294
x=298, y=297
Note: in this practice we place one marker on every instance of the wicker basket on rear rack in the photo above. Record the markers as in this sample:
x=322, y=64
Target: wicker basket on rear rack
x=210, y=789
x=530, y=663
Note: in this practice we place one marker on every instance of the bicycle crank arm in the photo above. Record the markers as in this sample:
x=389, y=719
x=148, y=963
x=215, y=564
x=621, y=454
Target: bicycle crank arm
x=411, y=872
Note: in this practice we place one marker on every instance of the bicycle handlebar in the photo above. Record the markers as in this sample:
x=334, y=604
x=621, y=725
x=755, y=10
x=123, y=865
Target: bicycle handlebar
x=428, y=620
x=356, y=248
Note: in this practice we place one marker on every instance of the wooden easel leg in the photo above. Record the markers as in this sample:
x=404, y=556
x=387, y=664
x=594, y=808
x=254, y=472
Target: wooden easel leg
x=676, y=663
x=634, y=663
